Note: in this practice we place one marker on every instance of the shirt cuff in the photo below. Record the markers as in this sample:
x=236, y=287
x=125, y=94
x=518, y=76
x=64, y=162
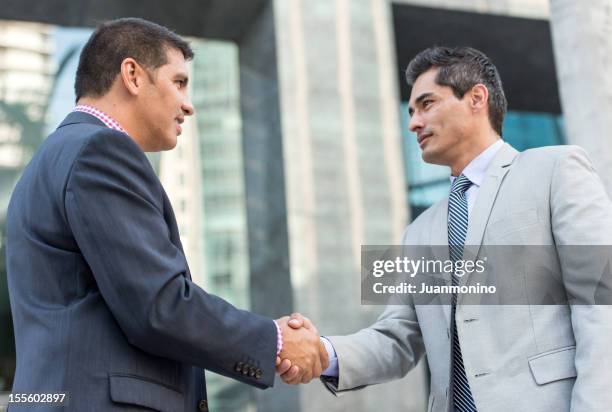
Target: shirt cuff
x=332, y=368
x=279, y=339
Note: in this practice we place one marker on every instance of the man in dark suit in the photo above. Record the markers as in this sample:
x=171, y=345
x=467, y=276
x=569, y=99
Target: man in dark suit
x=101, y=294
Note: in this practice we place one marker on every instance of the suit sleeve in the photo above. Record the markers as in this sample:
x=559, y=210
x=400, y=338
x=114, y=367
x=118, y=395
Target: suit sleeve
x=384, y=351
x=114, y=206
x=581, y=217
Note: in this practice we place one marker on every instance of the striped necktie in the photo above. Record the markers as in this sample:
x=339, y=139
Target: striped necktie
x=457, y=230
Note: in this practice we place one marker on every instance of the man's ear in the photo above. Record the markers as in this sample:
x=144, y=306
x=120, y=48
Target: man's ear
x=131, y=75
x=479, y=97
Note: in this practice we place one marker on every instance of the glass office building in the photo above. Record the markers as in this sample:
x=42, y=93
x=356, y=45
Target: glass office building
x=352, y=173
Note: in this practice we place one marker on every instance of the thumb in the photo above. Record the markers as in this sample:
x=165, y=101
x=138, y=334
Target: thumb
x=296, y=323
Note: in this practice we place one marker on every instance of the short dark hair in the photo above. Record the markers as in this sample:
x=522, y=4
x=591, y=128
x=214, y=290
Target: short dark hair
x=116, y=40
x=461, y=68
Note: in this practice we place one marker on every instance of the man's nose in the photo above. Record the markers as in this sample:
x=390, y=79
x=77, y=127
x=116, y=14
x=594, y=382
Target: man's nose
x=416, y=122
x=188, y=108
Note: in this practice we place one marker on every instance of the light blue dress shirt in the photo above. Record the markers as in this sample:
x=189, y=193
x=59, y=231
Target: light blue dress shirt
x=475, y=171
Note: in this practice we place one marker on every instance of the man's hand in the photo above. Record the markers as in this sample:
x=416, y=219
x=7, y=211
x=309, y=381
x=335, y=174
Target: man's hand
x=303, y=357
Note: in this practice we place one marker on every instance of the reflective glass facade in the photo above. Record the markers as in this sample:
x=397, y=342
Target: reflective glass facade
x=429, y=183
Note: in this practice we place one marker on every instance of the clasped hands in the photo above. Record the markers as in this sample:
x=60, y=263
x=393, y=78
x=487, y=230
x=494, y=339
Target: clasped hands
x=303, y=356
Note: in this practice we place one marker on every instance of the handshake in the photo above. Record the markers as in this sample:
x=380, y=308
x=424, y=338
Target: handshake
x=303, y=356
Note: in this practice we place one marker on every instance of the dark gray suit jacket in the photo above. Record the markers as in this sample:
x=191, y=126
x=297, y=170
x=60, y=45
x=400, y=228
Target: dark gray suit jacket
x=102, y=298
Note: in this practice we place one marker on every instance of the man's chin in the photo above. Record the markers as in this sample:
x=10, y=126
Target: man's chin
x=170, y=144
x=430, y=156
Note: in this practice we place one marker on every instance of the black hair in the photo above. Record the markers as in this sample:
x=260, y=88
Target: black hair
x=116, y=40
x=461, y=68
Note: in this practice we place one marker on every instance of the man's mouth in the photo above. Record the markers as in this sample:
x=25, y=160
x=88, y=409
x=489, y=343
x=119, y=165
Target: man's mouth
x=422, y=137
x=179, y=121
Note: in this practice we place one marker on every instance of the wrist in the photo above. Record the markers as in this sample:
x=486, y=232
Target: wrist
x=279, y=338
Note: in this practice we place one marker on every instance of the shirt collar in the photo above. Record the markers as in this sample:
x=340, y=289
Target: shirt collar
x=476, y=169
x=100, y=115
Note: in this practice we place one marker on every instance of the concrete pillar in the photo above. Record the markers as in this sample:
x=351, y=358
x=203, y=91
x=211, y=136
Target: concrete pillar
x=271, y=292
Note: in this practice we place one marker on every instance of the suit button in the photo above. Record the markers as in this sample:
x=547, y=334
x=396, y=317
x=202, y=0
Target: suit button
x=203, y=406
x=251, y=372
x=258, y=374
x=238, y=367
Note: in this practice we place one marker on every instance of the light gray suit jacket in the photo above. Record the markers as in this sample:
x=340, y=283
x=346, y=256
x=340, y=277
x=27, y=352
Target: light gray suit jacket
x=521, y=357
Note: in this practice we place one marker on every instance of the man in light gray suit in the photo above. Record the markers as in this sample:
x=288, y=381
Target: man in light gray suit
x=521, y=357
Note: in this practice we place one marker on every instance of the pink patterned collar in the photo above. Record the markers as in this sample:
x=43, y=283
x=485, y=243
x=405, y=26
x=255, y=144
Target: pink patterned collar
x=100, y=115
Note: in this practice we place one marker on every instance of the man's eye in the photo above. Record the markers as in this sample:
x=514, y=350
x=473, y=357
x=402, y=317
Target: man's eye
x=427, y=103
x=180, y=83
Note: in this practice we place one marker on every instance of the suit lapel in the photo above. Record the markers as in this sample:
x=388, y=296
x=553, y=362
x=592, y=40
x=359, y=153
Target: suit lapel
x=439, y=244
x=170, y=219
x=439, y=230
x=479, y=218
